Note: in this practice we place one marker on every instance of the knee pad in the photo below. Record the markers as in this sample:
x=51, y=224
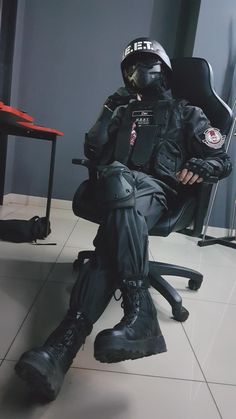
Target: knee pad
x=116, y=187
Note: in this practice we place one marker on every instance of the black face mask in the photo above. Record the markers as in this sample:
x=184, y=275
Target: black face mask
x=146, y=76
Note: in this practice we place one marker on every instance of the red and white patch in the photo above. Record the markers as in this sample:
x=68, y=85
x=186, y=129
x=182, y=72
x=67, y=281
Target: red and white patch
x=133, y=135
x=213, y=138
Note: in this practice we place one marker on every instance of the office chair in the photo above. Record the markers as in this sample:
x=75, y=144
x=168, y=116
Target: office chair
x=192, y=80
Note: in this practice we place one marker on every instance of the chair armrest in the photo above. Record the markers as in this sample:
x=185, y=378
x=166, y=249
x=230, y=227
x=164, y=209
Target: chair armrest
x=203, y=196
x=91, y=166
x=211, y=179
x=83, y=162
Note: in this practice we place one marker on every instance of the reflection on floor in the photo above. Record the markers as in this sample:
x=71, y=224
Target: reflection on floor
x=195, y=379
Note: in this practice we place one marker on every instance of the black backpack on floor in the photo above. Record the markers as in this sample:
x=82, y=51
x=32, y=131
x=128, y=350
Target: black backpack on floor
x=24, y=231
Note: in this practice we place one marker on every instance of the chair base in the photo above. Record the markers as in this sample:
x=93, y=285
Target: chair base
x=224, y=241
x=156, y=270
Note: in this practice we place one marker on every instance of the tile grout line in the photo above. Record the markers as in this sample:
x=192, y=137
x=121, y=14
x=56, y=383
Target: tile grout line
x=214, y=400
x=128, y=373
x=207, y=301
x=137, y=374
x=221, y=384
x=75, y=225
x=10, y=213
x=46, y=281
x=140, y=375
x=198, y=362
x=171, y=378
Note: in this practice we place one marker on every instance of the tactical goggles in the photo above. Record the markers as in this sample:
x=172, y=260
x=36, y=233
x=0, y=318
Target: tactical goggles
x=144, y=61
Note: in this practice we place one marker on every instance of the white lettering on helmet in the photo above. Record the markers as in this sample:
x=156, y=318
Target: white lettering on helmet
x=128, y=50
x=140, y=45
x=149, y=45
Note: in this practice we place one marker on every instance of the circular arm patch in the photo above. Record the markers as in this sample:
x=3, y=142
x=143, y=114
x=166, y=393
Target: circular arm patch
x=213, y=138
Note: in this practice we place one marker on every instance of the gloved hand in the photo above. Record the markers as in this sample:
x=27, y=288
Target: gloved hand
x=200, y=167
x=195, y=170
x=119, y=98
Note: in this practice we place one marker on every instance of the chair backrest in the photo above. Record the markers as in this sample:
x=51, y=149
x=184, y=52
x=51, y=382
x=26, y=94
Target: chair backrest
x=193, y=80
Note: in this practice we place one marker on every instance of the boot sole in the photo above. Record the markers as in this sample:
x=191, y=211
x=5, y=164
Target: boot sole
x=42, y=377
x=109, y=350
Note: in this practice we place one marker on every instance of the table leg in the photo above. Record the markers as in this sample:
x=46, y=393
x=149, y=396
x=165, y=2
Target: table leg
x=50, y=182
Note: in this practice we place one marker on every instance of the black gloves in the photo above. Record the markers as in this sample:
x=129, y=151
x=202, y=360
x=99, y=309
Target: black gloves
x=200, y=167
x=119, y=98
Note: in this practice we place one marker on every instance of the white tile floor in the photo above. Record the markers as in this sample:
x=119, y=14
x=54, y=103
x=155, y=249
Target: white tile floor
x=196, y=378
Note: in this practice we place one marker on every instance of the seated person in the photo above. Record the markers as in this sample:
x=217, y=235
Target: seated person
x=147, y=146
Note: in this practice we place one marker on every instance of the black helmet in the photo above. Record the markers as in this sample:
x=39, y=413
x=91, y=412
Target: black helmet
x=137, y=48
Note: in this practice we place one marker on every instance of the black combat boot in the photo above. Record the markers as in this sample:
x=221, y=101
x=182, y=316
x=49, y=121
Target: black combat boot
x=138, y=333
x=44, y=368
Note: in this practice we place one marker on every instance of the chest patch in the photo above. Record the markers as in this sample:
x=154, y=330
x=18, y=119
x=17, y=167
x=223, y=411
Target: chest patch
x=143, y=117
x=213, y=138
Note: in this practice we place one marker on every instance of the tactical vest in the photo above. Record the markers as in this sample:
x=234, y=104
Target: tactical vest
x=151, y=120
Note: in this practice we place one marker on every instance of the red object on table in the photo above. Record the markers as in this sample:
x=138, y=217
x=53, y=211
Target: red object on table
x=18, y=123
x=9, y=115
x=33, y=127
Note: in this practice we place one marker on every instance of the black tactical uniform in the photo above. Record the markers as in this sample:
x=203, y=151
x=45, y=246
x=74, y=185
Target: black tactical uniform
x=138, y=150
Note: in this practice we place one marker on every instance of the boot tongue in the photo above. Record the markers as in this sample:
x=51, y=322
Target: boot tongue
x=132, y=289
x=131, y=293
x=130, y=305
x=65, y=341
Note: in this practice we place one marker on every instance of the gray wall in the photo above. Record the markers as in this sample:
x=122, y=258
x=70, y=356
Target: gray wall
x=216, y=41
x=164, y=23
x=14, y=95
x=67, y=61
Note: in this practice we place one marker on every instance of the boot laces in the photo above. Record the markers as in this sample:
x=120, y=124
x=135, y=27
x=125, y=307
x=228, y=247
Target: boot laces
x=67, y=336
x=130, y=302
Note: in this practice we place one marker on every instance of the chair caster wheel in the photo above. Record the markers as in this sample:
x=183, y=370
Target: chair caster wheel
x=193, y=285
x=180, y=315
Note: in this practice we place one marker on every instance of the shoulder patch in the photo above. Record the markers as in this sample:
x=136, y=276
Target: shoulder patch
x=213, y=138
